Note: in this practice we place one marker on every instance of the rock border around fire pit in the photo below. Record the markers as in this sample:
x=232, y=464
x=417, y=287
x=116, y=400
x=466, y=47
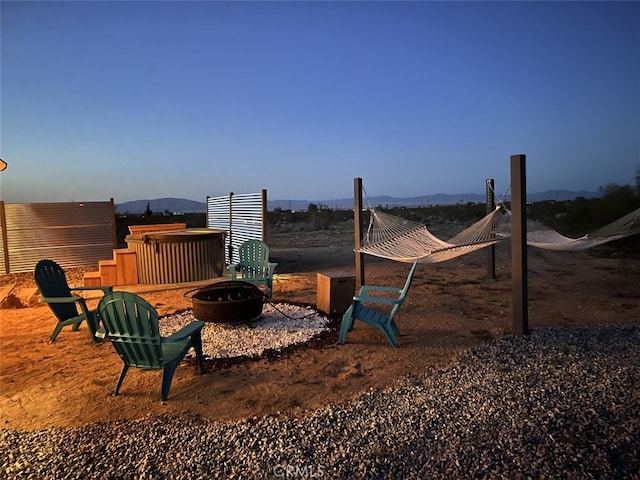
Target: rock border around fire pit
x=281, y=326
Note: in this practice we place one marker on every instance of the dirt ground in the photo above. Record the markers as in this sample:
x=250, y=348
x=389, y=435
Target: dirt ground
x=451, y=306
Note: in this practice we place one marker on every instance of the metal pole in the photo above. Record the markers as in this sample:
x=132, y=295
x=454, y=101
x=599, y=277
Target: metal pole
x=5, y=238
x=491, y=250
x=230, y=228
x=519, y=244
x=264, y=216
x=206, y=212
x=357, y=223
x=114, y=232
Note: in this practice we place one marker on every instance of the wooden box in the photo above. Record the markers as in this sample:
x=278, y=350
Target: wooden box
x=335, y=291
x=126, y=267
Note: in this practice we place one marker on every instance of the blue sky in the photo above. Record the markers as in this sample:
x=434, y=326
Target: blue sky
x=143, y=100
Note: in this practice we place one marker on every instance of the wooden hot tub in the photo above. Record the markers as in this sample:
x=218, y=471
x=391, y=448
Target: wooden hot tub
x=178, y=256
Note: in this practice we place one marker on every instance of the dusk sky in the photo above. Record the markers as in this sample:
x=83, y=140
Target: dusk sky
x=152, y=99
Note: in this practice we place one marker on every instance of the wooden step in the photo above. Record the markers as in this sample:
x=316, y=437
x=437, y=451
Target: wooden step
x=92, y=279
x=108, y=272
x=126, y=266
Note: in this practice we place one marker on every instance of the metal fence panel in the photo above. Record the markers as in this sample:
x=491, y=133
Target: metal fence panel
x=242, y=216
x=74, y=234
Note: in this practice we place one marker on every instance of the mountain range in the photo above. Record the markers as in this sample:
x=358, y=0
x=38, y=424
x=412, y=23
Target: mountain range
x=182, y=205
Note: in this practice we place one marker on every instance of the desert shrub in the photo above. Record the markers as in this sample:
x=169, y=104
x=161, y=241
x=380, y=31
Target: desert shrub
x=580, y=216
x=459, y=213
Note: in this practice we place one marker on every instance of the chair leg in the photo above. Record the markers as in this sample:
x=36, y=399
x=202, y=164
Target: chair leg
x=268, y=293
x=167, y=376
x=347, y=324
x=56, y=331
x=93, y=321
x=122, y=375
x=394, y=328
x=388, y=332
x=196, y=341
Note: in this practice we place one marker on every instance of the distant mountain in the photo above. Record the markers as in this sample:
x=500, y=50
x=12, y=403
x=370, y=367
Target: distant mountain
x=425, y=200
x=181, y=205
x=380, y=200
x=160, y=205
x=561, y=195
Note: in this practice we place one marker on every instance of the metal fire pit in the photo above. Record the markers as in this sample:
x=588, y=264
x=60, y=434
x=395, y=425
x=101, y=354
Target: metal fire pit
x=227, y=302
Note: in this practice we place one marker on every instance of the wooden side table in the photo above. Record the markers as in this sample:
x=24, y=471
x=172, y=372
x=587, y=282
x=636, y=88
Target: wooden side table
x=335, y=291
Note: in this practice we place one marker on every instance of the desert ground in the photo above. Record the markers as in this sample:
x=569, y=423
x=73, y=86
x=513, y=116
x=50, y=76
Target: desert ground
x=451, y=306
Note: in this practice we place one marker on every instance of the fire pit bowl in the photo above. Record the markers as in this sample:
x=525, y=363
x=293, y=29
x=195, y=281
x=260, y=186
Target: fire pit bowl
x=227, y=302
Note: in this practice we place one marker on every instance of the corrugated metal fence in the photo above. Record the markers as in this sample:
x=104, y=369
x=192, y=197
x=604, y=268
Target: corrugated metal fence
x=243, y=216
x=74, y=234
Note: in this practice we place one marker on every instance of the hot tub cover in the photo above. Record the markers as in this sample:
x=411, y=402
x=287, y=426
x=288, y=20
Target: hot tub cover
x=170, y=236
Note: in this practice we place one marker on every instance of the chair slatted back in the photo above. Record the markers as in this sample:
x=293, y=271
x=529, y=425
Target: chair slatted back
x=404, y=291
x=132, y=326
x=52, y=282
x=254, y=259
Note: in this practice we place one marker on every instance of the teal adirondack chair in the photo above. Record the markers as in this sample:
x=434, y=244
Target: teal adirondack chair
x=375, y=318
x=253, y=264
x=55, y=291
x=131, y=324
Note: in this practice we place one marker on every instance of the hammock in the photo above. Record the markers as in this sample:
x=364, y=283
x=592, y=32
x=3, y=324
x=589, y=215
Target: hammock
x=395, y=238
x=407, y=241
x=540, y=236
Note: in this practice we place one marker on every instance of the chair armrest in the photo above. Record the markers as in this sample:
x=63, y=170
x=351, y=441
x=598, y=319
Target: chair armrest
x=194, y=327
x=370, y=299
x=71, y=299
x=105, y=289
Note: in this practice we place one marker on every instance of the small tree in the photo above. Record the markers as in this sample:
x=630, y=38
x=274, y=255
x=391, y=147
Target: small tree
x=147, y=211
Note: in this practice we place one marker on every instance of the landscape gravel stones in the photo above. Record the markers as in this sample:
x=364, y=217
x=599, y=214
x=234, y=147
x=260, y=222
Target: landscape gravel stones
x=280, y=326
x=558, y=403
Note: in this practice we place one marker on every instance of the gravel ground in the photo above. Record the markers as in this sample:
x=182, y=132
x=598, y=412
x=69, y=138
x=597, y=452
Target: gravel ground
x=559, y=403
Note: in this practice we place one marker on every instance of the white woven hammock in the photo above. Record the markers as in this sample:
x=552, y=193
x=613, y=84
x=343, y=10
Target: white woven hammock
x=407, y=241
x=395, y=238
x=541, y=236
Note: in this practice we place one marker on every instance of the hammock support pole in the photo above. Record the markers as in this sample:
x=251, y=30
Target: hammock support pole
x=491, y=251
x=357, y=224
x=519, y=245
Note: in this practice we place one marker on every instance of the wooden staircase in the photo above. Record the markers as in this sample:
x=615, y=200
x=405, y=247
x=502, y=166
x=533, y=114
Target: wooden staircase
x=120, y=270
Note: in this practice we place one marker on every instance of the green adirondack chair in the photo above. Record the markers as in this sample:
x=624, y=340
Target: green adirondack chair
x=55, y=291
x=131, y=324
x=253, y=264
x=358, y=311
